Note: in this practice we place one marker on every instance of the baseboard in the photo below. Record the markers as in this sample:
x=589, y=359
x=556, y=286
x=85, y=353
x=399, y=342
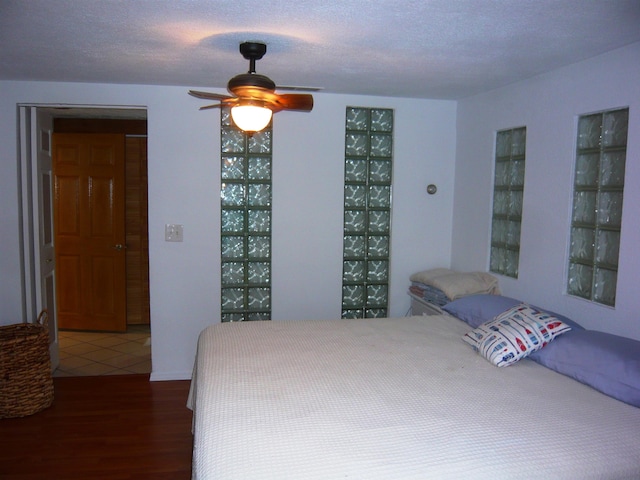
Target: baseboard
x=165, y=376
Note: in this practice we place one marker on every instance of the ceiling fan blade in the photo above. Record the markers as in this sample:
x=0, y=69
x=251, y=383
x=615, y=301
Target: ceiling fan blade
x=208, y=95
x=293, y=101
x=207, y=107
x=295, y=88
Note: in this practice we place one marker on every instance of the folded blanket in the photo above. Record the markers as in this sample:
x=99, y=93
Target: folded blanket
x=429, y=293
x=458, y=284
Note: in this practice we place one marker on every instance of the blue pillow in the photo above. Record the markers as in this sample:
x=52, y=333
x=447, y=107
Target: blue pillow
x=609, y=363
x=478, y=309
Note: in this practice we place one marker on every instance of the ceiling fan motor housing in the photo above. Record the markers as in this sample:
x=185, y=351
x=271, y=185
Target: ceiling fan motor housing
x=251, y=80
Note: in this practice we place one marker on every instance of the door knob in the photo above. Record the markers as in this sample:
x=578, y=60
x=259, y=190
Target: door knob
x=119, y=246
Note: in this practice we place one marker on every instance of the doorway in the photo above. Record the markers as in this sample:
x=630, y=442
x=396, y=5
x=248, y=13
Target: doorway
x=89, y=344
x=36, y=137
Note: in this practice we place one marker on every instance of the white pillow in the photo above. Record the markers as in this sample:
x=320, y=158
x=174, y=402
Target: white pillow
x=514, y=334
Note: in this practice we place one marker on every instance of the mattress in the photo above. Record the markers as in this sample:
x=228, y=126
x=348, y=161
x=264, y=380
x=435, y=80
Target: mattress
x=393, y=398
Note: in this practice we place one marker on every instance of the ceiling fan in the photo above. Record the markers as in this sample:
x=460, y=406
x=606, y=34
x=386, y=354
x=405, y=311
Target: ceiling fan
x=253, y=97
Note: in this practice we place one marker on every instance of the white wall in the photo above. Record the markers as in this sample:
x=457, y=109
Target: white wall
x=548, y=105
x=184, y=179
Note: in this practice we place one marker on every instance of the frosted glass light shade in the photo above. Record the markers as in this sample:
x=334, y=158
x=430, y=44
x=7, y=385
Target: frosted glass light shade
x=251, y=118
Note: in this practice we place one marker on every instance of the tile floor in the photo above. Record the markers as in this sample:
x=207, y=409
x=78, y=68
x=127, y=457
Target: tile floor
x=89, y=353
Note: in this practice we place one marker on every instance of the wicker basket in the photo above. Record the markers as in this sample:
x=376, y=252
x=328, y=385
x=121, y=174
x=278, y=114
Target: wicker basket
x=26, y=383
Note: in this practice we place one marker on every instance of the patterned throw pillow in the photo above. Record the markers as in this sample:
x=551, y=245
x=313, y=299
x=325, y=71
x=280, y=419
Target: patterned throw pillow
x=514, y=334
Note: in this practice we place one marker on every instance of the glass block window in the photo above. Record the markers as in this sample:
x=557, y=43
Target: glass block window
x=245, y=202
x=367, y=212
x=597, y=205
x=508, y=189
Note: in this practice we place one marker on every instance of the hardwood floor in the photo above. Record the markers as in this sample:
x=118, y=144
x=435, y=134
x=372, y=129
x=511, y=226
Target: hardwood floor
x=110, y=427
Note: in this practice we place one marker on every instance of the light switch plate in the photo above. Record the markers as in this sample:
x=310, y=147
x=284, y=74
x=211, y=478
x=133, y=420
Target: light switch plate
x=173, y=232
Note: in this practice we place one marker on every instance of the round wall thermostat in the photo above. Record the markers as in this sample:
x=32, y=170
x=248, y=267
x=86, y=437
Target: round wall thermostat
x=431, y=189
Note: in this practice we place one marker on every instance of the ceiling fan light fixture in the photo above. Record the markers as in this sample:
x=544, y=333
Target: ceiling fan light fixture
x=251, y=117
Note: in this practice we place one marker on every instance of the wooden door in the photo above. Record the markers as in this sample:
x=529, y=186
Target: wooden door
x=89, y=230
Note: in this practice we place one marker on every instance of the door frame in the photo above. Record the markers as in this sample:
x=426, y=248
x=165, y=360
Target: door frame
x=33, y=294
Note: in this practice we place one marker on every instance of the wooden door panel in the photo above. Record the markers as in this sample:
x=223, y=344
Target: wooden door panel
x=89, y=224
x=101, y=210
x=67, y=205
x=68, y=283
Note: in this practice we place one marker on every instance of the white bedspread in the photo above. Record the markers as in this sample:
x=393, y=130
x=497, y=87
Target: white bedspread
x=388, y=399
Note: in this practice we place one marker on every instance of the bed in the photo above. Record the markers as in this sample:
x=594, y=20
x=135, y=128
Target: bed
x=394, y=398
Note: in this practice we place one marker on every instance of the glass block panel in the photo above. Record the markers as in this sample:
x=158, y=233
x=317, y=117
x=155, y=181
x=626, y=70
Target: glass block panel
x=499, y=231
x=589, y=130
x=232, y=247
x=587, y=169
x=357, y=119
x=354, y=246
x=232, y=298
x=513, y=233
x=607, y=247
x=232, y=194
x=612, y=169
x=511, y=263
x=378, y=246
x=232, y=273
x=232, y=317
x=597, y=208
x=497, y=262
x=259, y=272
x=518, y=141
x=377, y=271
x=355, y=170
x=610, y=208
x=259, y=246
x=225, y=117
x=381, y=145
x=376, y=313
x=353, y=271
x=367, y=204
x=380, y=171
x=356, y=144
x=380, y=196
x=259, y=194
x=355, y=195
x=260, y=142
x=232, y=220
x=503, y=143
x=377, y=295
x=354, y=221
x=582, y=243
x=232, y=141
x=259, y=298
x=246, y=198
x=580, y=278
x=604, y=290
x=259, y=168
x=352, y=314
x=232, y=168
x=501, y=202
x=584, y=206
x=379, y=221
x=516, y=174
x=381, y=120
x=614, y=128
x=259, y=221
x=515, y=203
x=502, y=174
x=352, y=296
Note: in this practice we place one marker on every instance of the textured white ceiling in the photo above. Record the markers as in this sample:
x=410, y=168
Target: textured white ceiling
x=445, y=49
